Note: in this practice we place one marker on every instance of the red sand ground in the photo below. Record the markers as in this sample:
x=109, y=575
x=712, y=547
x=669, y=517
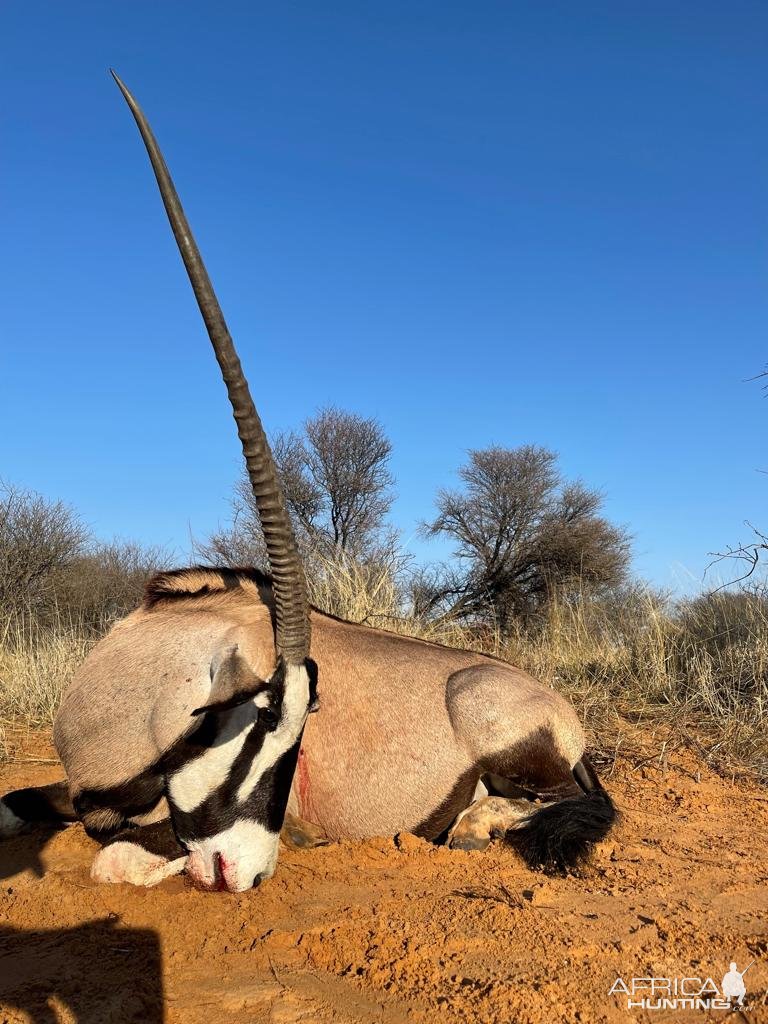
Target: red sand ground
x=394, y=930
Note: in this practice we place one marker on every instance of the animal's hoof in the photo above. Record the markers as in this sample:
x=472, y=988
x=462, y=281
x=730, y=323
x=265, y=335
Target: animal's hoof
x=470, y=842
x=10, y=825
x=301, y=835
x=301, y=841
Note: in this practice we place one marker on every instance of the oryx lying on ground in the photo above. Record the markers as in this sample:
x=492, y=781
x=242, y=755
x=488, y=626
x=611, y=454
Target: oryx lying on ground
x=181, y=735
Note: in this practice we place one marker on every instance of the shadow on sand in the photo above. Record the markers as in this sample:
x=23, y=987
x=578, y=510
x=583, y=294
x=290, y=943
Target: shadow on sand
x=24, y=852
x=96, y=973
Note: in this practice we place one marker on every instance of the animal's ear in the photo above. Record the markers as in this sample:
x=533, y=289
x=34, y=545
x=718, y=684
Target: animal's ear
x=233, y=682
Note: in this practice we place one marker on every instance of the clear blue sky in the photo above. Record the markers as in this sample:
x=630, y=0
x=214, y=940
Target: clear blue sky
x=499, y=222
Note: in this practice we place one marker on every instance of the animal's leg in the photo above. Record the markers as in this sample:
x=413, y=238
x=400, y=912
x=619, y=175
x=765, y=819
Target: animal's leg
x=140, y=856
x=489, y=818
x=481, y=790
x=39, y=805
x=514, y=729
x=298, y=834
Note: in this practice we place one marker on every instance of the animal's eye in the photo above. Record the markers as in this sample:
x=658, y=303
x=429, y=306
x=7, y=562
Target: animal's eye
x=268, y=718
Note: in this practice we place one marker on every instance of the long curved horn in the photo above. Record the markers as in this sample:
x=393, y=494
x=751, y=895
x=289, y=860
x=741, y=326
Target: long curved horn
x=292, y=633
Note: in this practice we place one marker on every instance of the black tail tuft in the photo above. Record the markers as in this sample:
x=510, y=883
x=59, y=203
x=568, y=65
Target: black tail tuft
x=559, y=837
x=39, y=805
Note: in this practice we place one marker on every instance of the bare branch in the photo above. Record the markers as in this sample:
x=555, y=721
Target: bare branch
x=748, y=553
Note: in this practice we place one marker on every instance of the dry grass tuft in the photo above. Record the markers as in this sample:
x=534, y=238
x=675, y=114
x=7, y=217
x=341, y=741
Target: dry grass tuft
x=694, y=673
x=35, y=665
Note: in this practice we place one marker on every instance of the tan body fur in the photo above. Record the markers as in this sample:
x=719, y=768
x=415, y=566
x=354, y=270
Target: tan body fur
x=406, y=728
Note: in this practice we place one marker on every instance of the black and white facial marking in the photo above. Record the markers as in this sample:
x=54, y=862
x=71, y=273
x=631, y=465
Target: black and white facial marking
x=228, y=798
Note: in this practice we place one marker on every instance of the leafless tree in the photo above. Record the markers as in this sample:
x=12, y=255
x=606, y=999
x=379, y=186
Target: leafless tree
x=521, y=533
x=239, y=543
x=337, y=479
x=51, y=569
x=106, y=581
x=338, y=488
x=749, y=555
x=38, y=539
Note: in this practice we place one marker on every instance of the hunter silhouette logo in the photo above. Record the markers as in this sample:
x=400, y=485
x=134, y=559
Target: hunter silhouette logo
x=684, y=993
x=734, y=988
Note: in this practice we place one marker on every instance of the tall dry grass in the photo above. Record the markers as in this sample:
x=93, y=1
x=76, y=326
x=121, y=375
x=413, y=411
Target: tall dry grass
x=35, y=666
x=695, y=671
x=641, y=669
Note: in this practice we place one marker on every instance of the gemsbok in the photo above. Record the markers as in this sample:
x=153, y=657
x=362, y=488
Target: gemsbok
x=186, y=737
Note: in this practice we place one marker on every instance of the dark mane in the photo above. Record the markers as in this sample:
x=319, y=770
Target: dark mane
x=202, y=581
